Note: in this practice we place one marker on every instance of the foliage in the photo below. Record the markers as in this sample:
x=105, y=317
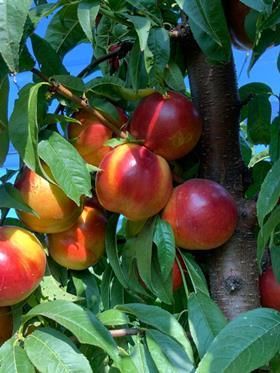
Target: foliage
x=69, y=323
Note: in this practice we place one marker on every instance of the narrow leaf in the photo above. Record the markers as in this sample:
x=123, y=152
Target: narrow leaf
x=51, y=351
x=82, y=323
x=269, y=193
x=67, y=167
x=11, y=198
x=13, y=359
x=87, y=12
x=13, y=15
x=248, y=342
x=4, y=134
x=206, y=320
x=142, y=26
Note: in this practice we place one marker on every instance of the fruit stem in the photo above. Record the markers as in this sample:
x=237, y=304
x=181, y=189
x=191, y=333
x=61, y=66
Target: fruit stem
x=65, y=92
x=118, y=333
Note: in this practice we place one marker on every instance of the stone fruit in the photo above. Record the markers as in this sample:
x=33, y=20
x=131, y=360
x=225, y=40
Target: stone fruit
x=56, y=212
x=6, y=324
x=83, y=244
x=170, y=126
x=269, y=290
x=134, y=182
x=202, y=214
x=22, y=264
x=89, y=137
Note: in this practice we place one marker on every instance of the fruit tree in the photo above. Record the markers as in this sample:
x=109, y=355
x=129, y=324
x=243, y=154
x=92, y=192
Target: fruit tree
x=141, y=228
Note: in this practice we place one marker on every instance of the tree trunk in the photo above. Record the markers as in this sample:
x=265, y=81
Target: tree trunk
x=233, y=272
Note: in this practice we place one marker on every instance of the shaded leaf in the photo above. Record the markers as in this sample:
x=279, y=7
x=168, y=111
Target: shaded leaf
x=113, y=317
x=237, y=347
x=11, y=198
x=87, y=12
x=4, y=134
x=142, y=26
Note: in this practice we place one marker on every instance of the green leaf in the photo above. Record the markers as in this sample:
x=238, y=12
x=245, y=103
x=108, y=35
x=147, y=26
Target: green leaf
x=11, y=198
x=259, y=5
x=50, y=62
x=87, y=287
x=269, y=193
x=64, y=31
x=23, y=126
x=142, y=26
x=136, y=69
x=174, y=78
x=87, y=12
x=196, y=275
x=259, y=157
x=208, y=24
x=112, y=250
x=165, y=242
x=206, y=320
x=274, y=146
x=71, y=82
x=50, y=289
x=259, y=173
x=254, y=89
x=143, y=245
x=162, y=320
x=266, y=231
x=4, y=134
x=59, y=353
x=82, y=323
x=13, y=359
x=157, y=54
x=275, y=260
x=259, y=116
x=13, y=15
x=67, y=167
x=113, y=317
x=142, y=358
x=246, y=343
x=278, y=62
x=168, y=355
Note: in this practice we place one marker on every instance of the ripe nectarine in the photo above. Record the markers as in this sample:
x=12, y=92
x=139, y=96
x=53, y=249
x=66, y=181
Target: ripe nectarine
x=83, y=244
x=134, y=182
x=89, y=137
x=56, y=211
x=170, y=125
x=22, y=264
x=269, y=290
x=202, y=214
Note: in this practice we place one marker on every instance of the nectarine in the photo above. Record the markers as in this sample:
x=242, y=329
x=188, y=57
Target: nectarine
x=89, y=137
x=83, y=244
x=170, y=126
x=269, y=290
x=56, y=211
x=134, y=182
x=22, y=264
x=202, y=214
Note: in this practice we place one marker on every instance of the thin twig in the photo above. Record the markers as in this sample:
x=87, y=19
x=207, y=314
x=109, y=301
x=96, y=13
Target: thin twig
x=65, y=92
x=118, y=333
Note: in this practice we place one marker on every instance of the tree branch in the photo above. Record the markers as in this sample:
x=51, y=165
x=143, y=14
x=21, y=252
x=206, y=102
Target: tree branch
x=65, y=92
x=233, y=271
x=118, y=333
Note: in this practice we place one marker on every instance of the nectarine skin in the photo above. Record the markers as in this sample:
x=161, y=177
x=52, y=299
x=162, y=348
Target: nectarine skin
x=6, y=324
x=22, y=264
x=236, y=13
x=202, y=214
x=170, y=125
x=89, y=137
x=83, y=244
x=269, y=290
x=56, y=211
x=134, y=182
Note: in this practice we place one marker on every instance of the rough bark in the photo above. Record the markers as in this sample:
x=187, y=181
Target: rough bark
x=233, y=272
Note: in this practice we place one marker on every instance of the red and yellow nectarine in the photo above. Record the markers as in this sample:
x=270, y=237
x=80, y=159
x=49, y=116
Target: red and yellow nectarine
x=170, y=125
x=134, y=182
x=56, y=211
x=202, y=214
x=22, y=264
x=83, y=244
x=89, y=137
